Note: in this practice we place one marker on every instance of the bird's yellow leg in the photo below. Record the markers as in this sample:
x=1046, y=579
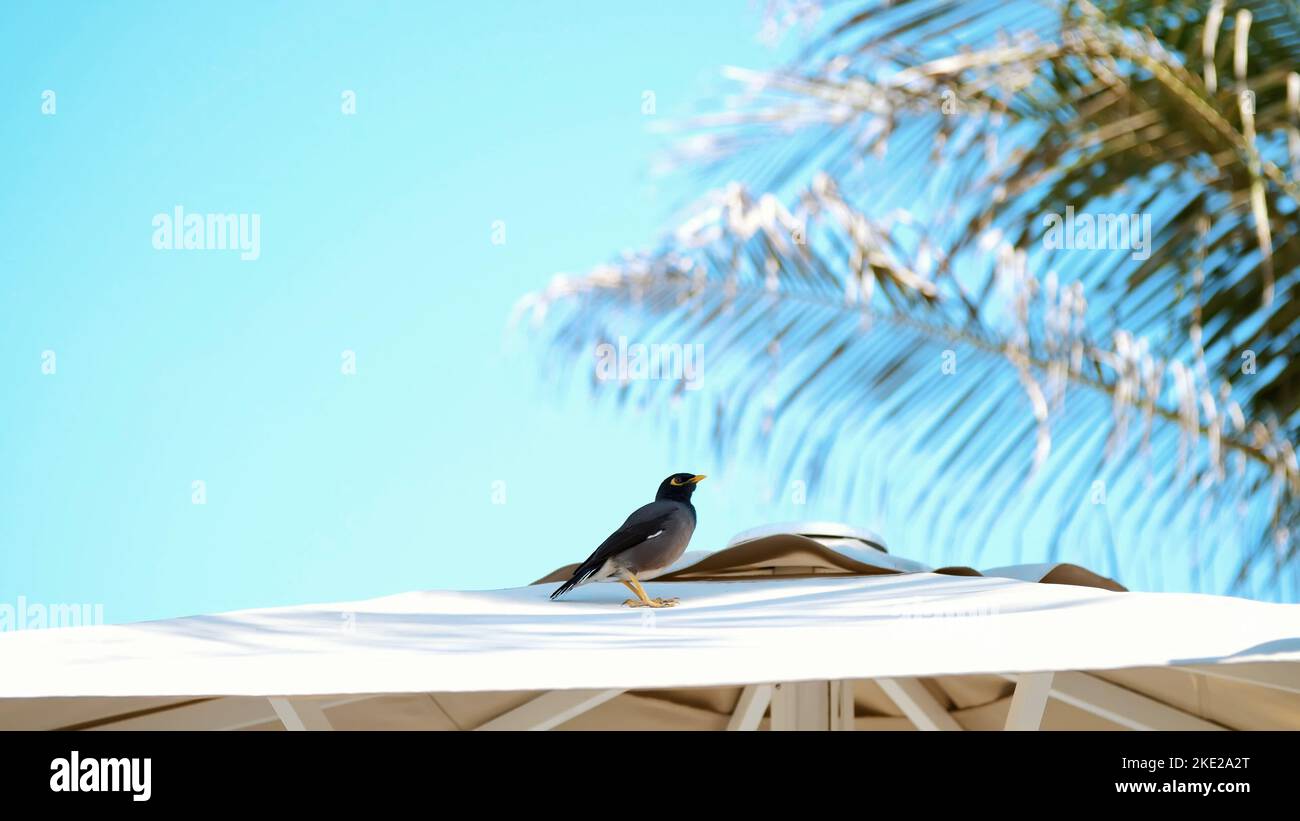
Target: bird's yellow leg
x=643, y=600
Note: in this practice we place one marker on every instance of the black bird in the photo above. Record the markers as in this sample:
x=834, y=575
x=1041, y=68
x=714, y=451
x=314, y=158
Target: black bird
x=652, y=538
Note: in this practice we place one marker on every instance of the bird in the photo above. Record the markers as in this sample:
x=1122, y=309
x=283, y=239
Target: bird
x=652, y=538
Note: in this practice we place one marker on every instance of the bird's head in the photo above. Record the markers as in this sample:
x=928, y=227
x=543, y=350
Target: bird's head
x=679, y=486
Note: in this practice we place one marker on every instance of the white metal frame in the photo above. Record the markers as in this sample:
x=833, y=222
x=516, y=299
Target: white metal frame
x=300, y=714
x=550, y=709
x=1121, y=706
x=843, y=706
x=918, y=704
x=806, y=705
x=749, y=711
x=1029, y=701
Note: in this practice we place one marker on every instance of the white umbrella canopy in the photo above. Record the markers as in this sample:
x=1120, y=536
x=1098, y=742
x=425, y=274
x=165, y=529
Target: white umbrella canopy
x=779, y=630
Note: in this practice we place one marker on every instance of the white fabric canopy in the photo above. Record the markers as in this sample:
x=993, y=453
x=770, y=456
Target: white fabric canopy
x=722, y=633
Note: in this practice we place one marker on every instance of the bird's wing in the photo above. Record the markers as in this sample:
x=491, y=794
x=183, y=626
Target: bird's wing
x=644, y=523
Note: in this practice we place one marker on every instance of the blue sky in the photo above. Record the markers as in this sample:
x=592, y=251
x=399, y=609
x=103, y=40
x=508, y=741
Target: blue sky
x=376, y=237
x=176, y=366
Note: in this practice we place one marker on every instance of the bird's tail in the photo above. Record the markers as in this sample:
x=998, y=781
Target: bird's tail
x=579, y=576
x=564, y=588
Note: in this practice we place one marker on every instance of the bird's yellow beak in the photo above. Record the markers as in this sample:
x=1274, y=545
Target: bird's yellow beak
x=695, y=480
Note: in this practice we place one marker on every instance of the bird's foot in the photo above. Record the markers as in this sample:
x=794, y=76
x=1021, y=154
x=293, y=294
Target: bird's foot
x=654, y=603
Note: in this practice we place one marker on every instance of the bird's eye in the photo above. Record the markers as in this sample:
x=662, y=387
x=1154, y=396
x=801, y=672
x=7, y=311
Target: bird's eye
x=677, y=481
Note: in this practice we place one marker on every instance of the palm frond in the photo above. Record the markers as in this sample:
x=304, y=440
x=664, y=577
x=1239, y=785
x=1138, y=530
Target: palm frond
x=815, y=314
x=1101, y=107
x=910, y=158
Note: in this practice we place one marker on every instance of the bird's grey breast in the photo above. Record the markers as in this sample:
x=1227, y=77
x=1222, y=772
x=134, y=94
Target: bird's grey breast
x=665, y=546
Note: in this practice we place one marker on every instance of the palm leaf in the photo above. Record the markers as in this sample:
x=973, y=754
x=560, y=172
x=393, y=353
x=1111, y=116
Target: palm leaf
x=908, y=158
